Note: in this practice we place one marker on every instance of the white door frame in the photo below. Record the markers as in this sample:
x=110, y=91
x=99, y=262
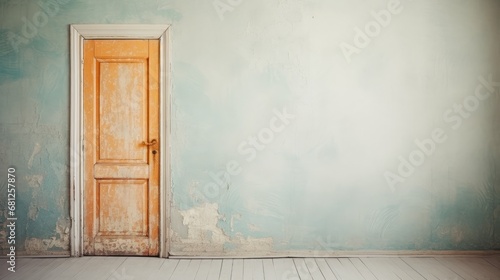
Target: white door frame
x=78, y=33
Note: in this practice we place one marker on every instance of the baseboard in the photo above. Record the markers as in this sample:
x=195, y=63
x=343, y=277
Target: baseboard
x=337, y=254
x=18, y=256
x=302, y=254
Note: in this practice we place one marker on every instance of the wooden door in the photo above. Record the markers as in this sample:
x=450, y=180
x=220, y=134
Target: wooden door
x=122, y=161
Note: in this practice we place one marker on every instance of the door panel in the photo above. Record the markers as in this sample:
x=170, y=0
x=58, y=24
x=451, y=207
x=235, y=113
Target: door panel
x=123, y=110
x=117, y=215
x=121, y=119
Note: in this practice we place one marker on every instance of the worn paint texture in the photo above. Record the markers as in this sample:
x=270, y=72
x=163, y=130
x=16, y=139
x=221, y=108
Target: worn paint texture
x=286, y=119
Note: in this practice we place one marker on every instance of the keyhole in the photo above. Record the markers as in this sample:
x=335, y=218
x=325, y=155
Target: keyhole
x=154, y=152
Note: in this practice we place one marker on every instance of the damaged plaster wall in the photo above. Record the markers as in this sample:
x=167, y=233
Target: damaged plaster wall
x=204, y=235
x=289, y=123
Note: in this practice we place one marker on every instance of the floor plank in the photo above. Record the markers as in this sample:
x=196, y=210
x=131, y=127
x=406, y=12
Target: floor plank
x=388, y=268
x=325, y=269
x=248, y=269
x=192, y=270
x=237, y=271
x=203, y=270
x=251, y=270
x=494, y=260
x=4, y=272
x=165, y=271
x=269, y=272
x=100, y=268
x=180, y=269
x=471, y=268
x=407, y=269
x=68, y=269
x=302, y=269
x=215, y=268
x=28, y=268
x=139, y=267
x=344, y=269
x=457, y=266
x=42, y=272
x=380, y=269
x=362, y=269
x=431, y=269
x=314, y=270
x=368, y=268
x=22, y=265
x=258, y=272
x=227, y=267
x=285, y=269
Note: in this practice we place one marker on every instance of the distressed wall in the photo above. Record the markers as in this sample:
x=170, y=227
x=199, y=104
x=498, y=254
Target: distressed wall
x=297, y=126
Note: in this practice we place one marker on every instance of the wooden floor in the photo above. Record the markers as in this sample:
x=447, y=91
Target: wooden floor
x=373, y=268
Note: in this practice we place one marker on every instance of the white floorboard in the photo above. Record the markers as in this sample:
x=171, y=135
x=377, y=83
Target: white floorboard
x=237, y=271
x=43, y=270
x=165, y=271
x=203, y=270
x=101, y=268
x=365, y=268
x=325, y=269
x=269, y=273
x=344, y=269
x=430, y=268
x=314, y=270
x=387, y=268
x=258, y=273
x=28, y=269
x=225, y=272
x=139, y=268
x=215, y=268
x=285, y=269
x=362, y=269
x=68, y=269
x=181, y=269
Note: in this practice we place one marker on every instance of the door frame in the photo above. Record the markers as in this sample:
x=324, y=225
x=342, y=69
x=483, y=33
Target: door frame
x=78, y=33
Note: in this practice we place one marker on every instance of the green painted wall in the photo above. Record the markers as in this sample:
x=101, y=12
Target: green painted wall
x=299, y=125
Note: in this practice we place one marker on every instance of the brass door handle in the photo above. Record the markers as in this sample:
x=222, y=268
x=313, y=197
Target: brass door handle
x=149, y=143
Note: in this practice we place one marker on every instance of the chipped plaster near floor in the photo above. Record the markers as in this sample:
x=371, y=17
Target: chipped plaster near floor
x=203, y=235
x=60, y=241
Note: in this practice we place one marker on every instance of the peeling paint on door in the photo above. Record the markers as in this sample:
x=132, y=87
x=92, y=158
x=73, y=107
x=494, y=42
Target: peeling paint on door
x=121, y=172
